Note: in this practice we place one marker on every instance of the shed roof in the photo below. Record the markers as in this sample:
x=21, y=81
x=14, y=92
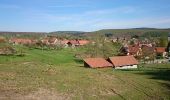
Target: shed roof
x=97, y=62
x=160, y=49
x=123, y=60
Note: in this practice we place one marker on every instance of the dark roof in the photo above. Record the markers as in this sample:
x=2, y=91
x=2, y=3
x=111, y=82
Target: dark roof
x=123, y=60
x=145, y=47
x=133, y=49
x=97, y=62
x=74, y=42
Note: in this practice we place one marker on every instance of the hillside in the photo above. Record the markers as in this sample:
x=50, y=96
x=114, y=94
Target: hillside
x=79, y=34
x=115, y=32
x=22, y=34
x=134, y=31
x=37, y=77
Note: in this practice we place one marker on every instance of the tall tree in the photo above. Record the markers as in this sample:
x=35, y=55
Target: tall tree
x=163, y=42
x=101, y=47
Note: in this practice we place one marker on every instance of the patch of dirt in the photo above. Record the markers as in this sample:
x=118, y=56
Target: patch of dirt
x=26, y=63
x=41, y=94
x=50, y=71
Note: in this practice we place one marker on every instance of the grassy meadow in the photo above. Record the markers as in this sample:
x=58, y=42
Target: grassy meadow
x=58, y=75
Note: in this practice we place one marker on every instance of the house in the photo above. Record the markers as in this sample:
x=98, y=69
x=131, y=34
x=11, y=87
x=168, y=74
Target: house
x=74, y=43
x=97, y=63
x=50, y=40
x=64, y=43
x=123, y=62
x=53, y=40
x=161, y=51
x=134, y=50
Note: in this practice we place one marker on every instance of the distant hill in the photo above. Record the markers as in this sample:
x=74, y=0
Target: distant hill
x=22, y=34
x=133, y=31
x=77, y=34
x=67, y=32
x=146, y=28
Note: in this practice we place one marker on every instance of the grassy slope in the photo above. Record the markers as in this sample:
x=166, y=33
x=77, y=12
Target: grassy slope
x=58, y=70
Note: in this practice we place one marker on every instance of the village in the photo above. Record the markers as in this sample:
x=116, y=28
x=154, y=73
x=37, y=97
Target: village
x=91, y=66
x=130, y=54
x=84, y=50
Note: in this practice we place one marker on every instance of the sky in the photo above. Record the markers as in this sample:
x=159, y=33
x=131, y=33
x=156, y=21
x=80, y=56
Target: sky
x=82, y=15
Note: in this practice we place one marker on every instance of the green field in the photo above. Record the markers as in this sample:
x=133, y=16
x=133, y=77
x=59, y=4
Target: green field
x=47, y=75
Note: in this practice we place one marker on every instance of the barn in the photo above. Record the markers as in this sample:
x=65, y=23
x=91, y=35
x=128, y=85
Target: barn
x=123, y=62
x=97, y=63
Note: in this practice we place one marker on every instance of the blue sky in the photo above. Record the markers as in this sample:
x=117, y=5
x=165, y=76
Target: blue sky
x=82, y=15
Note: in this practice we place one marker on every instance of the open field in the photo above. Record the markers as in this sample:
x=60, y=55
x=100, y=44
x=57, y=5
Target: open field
x=58, y=75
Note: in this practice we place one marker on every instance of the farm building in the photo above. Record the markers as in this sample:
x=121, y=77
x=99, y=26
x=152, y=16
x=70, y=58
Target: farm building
x=97, y=63
x=123, y=62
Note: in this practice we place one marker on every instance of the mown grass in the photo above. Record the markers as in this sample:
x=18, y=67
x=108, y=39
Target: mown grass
x=58, y=70
x=44, y=56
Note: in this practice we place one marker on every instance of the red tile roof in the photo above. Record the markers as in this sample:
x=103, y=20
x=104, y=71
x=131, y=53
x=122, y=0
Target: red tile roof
x=123, y=60
x=160, y=49
x=83, y=42
x=97, y=62
x=20, y=41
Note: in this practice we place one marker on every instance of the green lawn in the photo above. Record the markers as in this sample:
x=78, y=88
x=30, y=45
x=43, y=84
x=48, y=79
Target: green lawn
x=57, y=74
